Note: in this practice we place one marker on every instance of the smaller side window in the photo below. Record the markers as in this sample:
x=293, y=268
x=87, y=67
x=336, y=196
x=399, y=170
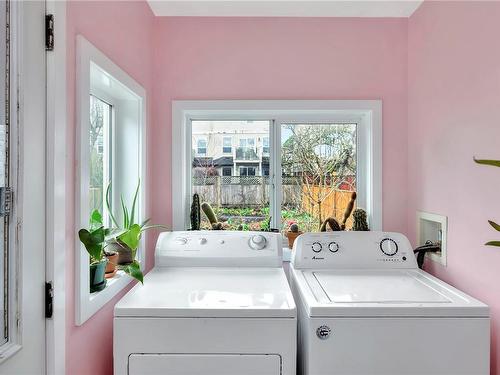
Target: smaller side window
x=201, y=147
x=226, y=171
x=226, y=145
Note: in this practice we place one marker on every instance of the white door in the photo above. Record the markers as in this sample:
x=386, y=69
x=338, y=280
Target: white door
x=22, y=151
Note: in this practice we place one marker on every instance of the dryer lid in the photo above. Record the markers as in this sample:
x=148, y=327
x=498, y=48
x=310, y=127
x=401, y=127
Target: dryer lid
x=210, y=292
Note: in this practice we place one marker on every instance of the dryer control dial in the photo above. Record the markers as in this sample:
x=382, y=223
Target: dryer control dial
x=389, y=246
x=316, y=247
x=333, y=247
x=258, y=242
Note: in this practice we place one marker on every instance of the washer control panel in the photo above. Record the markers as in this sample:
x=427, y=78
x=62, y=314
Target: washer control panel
x=219, y=248
x=370, y=249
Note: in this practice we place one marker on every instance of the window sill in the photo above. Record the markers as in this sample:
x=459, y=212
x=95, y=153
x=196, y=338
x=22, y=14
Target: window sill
x=90, y=303
x=7, y=350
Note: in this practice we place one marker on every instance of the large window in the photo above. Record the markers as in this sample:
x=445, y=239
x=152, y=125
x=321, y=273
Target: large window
x=294, y=162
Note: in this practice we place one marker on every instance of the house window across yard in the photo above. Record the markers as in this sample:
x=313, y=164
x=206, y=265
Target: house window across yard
x=292, y=162
x=265, y=145
x=247, y=171
x=202, y=147
x=227, y=145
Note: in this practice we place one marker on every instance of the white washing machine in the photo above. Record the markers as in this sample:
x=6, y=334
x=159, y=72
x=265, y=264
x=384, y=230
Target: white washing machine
x=216, y=303
x=364, y=307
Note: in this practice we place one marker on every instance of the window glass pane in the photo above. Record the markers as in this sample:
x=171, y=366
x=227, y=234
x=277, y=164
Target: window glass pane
x=318, y=164
x=240, y=201
x=100, y=152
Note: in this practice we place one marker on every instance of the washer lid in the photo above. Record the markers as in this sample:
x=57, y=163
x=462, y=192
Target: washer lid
x=385, y=293
x=210, y=292
x=374, y=287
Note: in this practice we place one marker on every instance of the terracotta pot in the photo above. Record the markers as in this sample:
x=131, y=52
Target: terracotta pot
x=291, y=238
x=125, y=254
x=111, y=266
x=97, y=272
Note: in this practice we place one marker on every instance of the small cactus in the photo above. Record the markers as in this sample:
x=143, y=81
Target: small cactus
x=294, y=228
x=348, y=210
x=195, y=213
x=207, y=209
x=332, y=223
x=360, y=220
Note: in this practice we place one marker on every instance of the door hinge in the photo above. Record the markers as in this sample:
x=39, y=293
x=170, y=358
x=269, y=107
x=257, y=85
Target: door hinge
x=49, y=32
x=49, y=299
x=5, y=201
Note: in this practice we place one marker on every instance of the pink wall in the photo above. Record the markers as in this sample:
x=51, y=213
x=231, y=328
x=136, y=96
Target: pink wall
x=283, y=58
x=453, y=114
x=123, y=31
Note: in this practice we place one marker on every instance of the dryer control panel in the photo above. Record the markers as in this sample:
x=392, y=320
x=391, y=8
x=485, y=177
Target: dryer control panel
x=352, y=250
x=219, y=249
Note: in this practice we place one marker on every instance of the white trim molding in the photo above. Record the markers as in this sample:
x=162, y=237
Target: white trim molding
x=367, y=114
x=55, y=271
x=87, y=55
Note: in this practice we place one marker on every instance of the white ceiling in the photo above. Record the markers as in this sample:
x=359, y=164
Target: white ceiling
x=285, y=8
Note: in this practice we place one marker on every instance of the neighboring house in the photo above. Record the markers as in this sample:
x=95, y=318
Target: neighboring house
x=230, y=149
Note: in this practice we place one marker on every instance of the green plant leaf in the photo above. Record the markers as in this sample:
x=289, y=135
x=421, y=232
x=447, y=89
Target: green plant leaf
x=148, y=227
x=108, y=190
x=494, y=163
x=93, y=241
x=125, y=214
x=145, y=222
x=132, y=212
x=131, y=237
x=134, y=270
x=494, y=225
x=95, y=220
x=493, y=243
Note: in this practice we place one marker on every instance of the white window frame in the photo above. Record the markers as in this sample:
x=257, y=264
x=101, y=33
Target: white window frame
x=367, y=114
x=86, y=303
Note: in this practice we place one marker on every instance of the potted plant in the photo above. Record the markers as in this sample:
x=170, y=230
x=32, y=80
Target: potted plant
x=94, y=241
x=125, y=238
x=496, y=226
x=292, y=234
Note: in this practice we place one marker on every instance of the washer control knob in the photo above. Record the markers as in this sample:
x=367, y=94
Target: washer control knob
x=316, y=247
x=202, y=241
x=258, y=242
x=181, y=241
x=389, y=246
x=323, y=332
x=333, y=247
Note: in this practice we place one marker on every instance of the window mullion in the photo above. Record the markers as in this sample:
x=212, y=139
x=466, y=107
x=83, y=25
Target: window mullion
x=275, y=180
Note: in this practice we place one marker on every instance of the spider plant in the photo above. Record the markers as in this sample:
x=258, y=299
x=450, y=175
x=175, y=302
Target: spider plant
x=126, y=236
x=494, y=163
